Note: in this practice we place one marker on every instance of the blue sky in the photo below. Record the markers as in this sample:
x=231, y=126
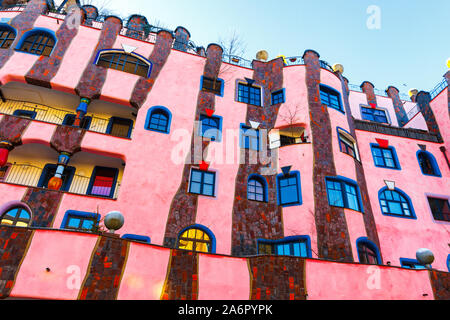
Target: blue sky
x=408, y=51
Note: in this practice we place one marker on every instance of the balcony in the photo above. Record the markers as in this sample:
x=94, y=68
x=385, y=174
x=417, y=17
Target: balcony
x=32, y=165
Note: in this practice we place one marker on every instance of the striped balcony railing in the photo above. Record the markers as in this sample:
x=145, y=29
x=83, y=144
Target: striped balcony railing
x=438, y=88
x=29, y=176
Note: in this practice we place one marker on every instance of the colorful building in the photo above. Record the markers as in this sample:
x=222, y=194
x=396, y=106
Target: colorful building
x=236, y=179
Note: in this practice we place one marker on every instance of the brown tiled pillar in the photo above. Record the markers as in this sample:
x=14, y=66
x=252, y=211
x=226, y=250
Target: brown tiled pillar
x=333, y=238
x=369, y=89
x=440, y=282
x=182, y=37
x=423, y=100
x=254, y=220
x=400, y=112
x=183, y=209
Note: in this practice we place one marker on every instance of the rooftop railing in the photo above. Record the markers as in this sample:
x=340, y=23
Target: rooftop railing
x=438, y=88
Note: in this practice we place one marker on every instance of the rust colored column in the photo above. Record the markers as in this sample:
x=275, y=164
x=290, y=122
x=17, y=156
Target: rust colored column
x=440, y=282
x=182, y=37
x=400, y=112
x=254, y=220
x=183, y=209
x=369, y=89
x=333, y=238
x=423, y=101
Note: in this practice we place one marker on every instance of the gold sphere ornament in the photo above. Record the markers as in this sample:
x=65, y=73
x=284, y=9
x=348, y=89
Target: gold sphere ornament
x=413, y=92
x=338, y=68
x=262, y=55
x=448, y=63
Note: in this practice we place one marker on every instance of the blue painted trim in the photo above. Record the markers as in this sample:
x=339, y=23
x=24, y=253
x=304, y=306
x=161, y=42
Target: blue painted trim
x=149, y=117
x=355, y=145
x=288, y=240
x=276, y=92
x=32, y=114
x=202, y=183
x=394, y=154
x=411, y=207
x=341, y=110
x=371, y=245
x=222, y=86
x=111, y=121
x=136, y=237
x=68, y=116
x=150, y=64
x=5, y=25
x=204, y=229
x=403, y=261
x=80, y=214
x=349, y=181
x=31, y=32
x=244, y=128
x=433, y=161
x=66, y=184
x=219, y=135
x=448, y=263
x=92, y=180
x=299, y=189
x=264, y=183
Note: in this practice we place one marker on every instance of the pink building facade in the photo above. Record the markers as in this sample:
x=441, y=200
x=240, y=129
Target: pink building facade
x=236, y=179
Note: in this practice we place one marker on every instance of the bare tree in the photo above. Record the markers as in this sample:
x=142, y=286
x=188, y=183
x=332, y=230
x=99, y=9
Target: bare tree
x=232, y=45
x=103, y=6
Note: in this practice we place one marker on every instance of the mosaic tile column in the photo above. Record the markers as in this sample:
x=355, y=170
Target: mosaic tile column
x=183, y=209
x=369, y=89
x=158, y=58
x=93, y=78
x=254, y=220
x=369, y=220
x=105, y=269
x=423, y=101
x=23, y=22
x=182, y=37
x=400, y=112
x=14, y=244
x=277, y=278
x=182, y=276
x=440, y=282
x=333, y=240
x=45, y=68
x=12, y=129
x=137, y=27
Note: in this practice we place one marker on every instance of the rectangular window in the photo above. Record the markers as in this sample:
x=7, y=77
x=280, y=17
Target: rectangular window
x=213, y=85
x=202, y=182
x=278, y=97
x=25, y=114
x=375, y=115
x=4, y=172
x=331, y=98
x=49, y=172
x=249, y=94
x=411, y=264
x=289, y=189
x=294, y=248
x=347, y=145
x=70, y=119
x=120, y=127
x=249, y=138
x=385, y=158
x=103, y=182
x=440, y=209
x=81, y=221
x=343, y=194
x=211, y=127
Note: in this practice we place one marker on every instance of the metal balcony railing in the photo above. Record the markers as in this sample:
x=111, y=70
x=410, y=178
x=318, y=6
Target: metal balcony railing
x=29, y=176
x=438, y=88
x=50, y=114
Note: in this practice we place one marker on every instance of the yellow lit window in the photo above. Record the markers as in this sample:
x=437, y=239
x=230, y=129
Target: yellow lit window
x=17, y=216
x=195, y=240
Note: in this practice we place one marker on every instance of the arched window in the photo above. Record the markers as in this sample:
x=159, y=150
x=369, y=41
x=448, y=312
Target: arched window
x=256, y=188
x=396, y=203
x=196, y=238
x=16, y=216
x=158, y=119
x=428, y=164
x=368, y=252
x=122, y=61
x=38, y=41
x=7, y=36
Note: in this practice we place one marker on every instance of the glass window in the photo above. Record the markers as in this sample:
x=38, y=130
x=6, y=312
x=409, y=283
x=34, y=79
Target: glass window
x=278, y=97
x=7, y=36
x=39, y=42
x=367, y=253
x=289, y=189
x=395, y=203
x=202, y=182
x=343, y=194
x=124, y=62
x=411, y=264
x=428, y=164
x=256, y=189
x=120, y=127
x=103, y=182
x=440, y=208
x=249, y=94
x=211, y=127
x=331, y=98
x=81, y=221
x=17, y=216
x=297, y=247
x=375, y=115
x=25, y=114
x=249, y=138
x=347, y=145
x=385, y=157
x=194, y=239
x=159, y=121
x=212, y=85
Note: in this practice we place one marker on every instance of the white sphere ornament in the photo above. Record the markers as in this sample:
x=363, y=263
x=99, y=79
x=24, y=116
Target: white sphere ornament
x=114, y=221
x=425, y=256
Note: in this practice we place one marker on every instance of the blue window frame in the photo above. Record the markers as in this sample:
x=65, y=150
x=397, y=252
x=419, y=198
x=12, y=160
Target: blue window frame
x=289, y=189
x=249, y=138
x=448, y=263
x=123, y=61
x=158, y=119
x=81, y=221
x=49, y=172
x=202, y=182
x=347, y=144
x=278, y=97
x=120, y=127
x=296, y=246
x=215, y=86
x=103, y=182
x=375, y=115
x=411, y=264
x=331, y=98
x=69, y=119
x=385, y=157
x=440, y=208
x=249, y=94
x=25, y=114
x=344, y=193
x=7, y=35
x=428, y=164
x=135, y=237
x=197, y=238
x=368, y=252
x=211, y=127
x=38, y=41
x=257, y=188
x=396, y=203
